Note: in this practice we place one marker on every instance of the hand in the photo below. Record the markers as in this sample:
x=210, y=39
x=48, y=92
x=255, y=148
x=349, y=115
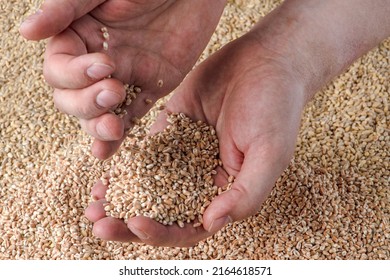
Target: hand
x=253, y=91
x=150, y=41
x=253, y=98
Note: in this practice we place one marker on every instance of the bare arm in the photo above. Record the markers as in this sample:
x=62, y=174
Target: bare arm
x=322, y=38
x=253, y=91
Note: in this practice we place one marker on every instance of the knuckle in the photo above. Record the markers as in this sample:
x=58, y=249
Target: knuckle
x=85, y=111
x=88, y=109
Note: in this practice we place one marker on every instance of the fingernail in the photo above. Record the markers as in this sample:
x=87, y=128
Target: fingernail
x=102, y=130
x=108, y=99
x=219, y=223
x=99, y=71
x=141, y=234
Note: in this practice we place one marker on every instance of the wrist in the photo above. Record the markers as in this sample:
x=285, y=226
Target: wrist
x=317, y=39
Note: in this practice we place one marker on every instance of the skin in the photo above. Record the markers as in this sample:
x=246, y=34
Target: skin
x=253, y=91
x=145, y=46
x=227, y=106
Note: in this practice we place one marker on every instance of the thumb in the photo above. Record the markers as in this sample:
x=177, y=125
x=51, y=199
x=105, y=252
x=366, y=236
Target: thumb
x=55, y=16
x=250, y=189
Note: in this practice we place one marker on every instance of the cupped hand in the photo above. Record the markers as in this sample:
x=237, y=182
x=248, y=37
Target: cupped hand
x=151, y=44
x=253, y=98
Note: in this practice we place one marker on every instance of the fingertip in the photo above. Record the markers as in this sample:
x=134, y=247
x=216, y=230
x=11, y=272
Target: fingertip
x=161, y=122
x=99, y=190
x=101, y=149
x=26, y=28
x=113, y=229
x=224, y=209
x=105, y=131
x=151, y=232
x=95, y=211
x=50, y=19
x=99, y=70
x=154, y=233
x=233, y=205
x=107, y=127
x=104, y=149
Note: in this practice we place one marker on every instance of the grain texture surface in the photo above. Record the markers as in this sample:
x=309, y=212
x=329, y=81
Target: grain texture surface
x=333, y=201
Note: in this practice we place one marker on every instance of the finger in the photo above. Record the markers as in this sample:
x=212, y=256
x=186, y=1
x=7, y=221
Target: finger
x=142, y=229
x=105, y=149
x=252, y=185
x=55, y=16
x=138, y=108
x=161, y=122
x=109, y=228
x=156, y=234
x=107, y=127
x=92, y=101
x=95, y=211
x=68, y=65
x=99, y=190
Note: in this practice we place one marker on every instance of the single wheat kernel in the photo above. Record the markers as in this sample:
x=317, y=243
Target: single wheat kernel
x=105, y=45
x=135, y=120
x=137, y=90
x=180, y=223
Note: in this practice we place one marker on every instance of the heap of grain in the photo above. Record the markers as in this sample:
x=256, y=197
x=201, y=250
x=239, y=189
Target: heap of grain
x=331, y=203
x=167, y=176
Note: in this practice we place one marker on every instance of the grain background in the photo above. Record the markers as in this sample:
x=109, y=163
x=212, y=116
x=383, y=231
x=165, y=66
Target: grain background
x=333, y=202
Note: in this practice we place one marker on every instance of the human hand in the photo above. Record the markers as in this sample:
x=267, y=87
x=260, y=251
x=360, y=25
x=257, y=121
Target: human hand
x=253, y=91
x=254, y=100
x=150, y=41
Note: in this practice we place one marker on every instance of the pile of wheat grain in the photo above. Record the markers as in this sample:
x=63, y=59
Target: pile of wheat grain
x=167, y=176
x=331, y=203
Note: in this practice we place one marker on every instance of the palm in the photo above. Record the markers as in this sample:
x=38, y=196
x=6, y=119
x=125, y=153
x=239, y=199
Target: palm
x=152, y=44
x=255, y=105
x=149, y=41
